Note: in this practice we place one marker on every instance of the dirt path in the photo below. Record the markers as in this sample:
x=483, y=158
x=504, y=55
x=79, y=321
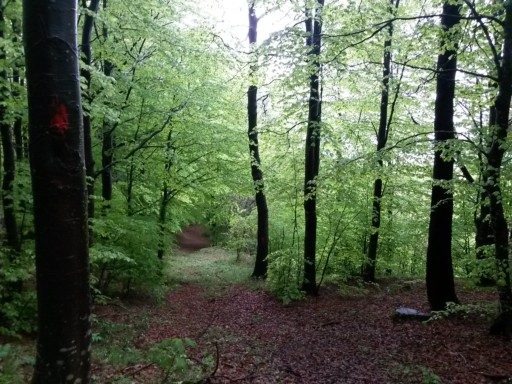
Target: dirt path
x=192, y=238
x=333, y=338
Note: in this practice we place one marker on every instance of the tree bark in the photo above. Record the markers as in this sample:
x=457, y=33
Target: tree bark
x=17, y=82
x=503, y=324
x=484, y=234
x=312, y=146
x=9, y=167
x=9, y=154
x=382, y=138
x=260, y=266
x=108, y=139
x=56, y=151
x=162, y=217
x=86, y=74
x=440, y=278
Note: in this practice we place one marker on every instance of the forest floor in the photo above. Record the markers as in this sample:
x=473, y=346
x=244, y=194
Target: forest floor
x=243, y=334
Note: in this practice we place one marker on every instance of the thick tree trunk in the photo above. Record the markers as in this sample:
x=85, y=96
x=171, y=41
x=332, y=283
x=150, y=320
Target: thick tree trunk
x=260, y=266
x=86, y=74
x=60, y=200
x=312, y=147
x=9, y=155
x=440, y=279
x=503, y=323
x=382, y=137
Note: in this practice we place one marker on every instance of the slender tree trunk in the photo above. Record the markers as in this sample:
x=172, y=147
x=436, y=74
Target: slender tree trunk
x=440, y=279
x=59, y=190
x=312, y=147
x=260, y=266
x=166, y=194
x=129, y=188
x=108, y=138
x=162, y=217
x=9, y=167
x=503, y=324
x=86, y=74
x=9, y=155
x=382, y=137
x=17, y=82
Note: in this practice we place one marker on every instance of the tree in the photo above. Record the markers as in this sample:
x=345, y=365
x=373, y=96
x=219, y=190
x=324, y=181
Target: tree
x=86, y=74
x=107, y=148
x=260, y=266
x=440, y=279
x=382, y=138
x=8, y=151
x=312, y=145
x=17, y=85
x=494, y=155
x=59, y=191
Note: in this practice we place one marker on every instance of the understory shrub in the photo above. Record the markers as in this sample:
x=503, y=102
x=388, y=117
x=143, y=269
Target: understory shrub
x=285, y=274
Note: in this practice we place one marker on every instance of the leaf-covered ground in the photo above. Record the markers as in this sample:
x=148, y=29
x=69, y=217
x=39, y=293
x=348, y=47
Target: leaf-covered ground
x=338, y=337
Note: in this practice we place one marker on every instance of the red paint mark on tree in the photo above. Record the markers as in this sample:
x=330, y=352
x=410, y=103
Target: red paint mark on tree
x=60, y=121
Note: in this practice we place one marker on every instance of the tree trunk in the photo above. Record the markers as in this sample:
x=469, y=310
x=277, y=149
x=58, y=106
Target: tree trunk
x=312, y=146
x=86, y=74
x=503, y=324
x=9, y=167
x=382, y=137
x=162, y=217
x=484, y=234
x=17, y=82
x=440, y=279
x=9, y=155
x=59, y=190
x=108, y=139
x=260, y=266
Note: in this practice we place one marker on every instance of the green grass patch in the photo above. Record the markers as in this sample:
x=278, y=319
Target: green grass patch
x=209, y=267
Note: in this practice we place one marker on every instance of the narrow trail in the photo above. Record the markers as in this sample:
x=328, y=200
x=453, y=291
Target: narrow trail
x=192, y=239
x=334, y=338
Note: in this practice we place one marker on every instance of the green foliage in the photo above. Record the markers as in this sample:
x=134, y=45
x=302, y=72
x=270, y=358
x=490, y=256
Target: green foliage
x=241, y=234
x=17, y=298
x=172, y=356
x=113, y=343
x=285, y=274
x=15, y=364
x=430, y=377
x=124, y=257
x=485, y=310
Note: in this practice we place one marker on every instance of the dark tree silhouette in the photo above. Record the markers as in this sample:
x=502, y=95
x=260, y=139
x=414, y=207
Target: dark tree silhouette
x=382, y=138
x=260, y=266
x=312, y=146
x=86, y=74
x=503, y=324
x=8, y=151
x=56, y=151
x=440, y=279
x=17, y=84
x=107, y=147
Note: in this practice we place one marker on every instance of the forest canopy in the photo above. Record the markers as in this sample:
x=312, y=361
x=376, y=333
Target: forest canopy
x=335, y=142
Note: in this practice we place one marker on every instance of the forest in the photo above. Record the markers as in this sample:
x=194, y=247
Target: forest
x=255, y=191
